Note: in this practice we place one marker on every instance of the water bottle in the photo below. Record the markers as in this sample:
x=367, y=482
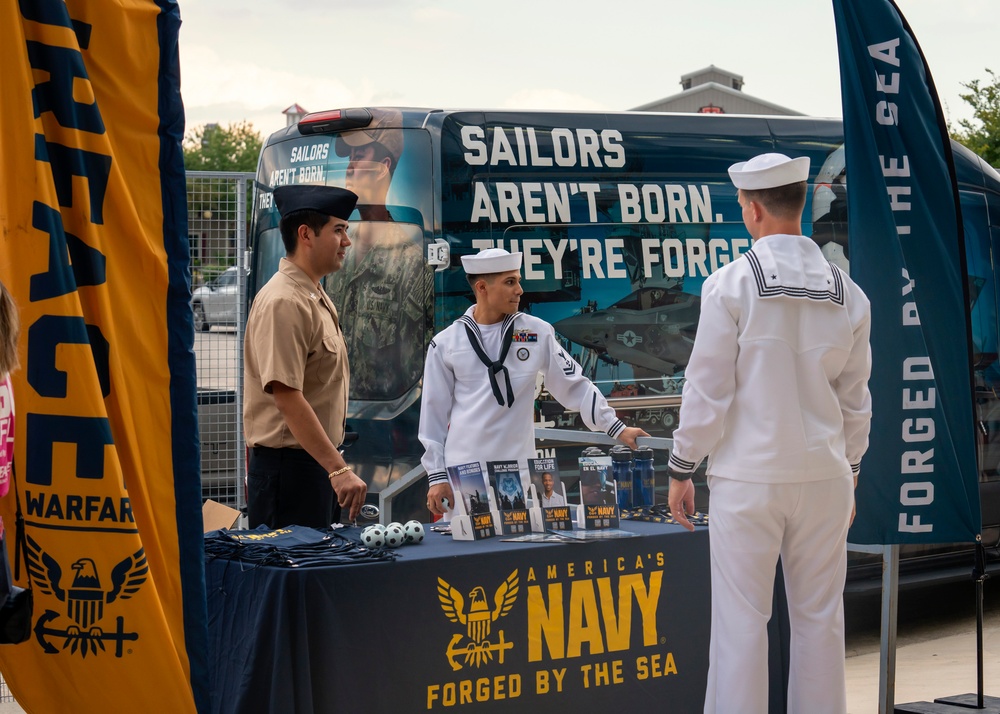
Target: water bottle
x=621, y=470
x=643, y=483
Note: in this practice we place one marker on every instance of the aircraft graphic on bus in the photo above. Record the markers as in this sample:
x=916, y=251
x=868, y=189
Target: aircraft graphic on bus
x=652, y=328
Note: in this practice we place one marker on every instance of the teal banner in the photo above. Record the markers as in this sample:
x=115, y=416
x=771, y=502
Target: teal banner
x=919, y=479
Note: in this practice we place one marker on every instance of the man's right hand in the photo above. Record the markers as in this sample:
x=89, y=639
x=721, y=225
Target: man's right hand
x=436, y=494
x=351, y=492
x=854, y=507
x=681, y=501
x=630, y=434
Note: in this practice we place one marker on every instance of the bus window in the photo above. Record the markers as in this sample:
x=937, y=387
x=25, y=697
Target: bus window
x=268, y=251
x=979, y=253
x=384, y=292
x=828, y=209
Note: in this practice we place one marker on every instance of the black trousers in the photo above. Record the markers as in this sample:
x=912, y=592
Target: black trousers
x=287, y=487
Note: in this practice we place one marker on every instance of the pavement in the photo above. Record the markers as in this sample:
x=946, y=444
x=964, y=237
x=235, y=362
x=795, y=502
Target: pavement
x=927, y=668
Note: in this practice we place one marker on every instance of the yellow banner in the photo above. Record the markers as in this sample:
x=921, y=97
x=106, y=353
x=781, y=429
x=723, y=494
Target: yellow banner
x=94, y=250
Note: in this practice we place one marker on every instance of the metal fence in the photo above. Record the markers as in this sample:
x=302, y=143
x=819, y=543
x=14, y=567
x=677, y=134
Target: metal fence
x=217, y=232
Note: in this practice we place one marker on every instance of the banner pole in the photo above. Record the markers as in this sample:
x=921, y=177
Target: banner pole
x=887, y=650
x=980, y=575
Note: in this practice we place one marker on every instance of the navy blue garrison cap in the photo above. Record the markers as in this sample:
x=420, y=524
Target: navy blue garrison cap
x=333, y=201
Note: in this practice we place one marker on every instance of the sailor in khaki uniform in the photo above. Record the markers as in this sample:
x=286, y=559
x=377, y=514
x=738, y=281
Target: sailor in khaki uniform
x=296, y=374
x=776, y=396
x=479, y=380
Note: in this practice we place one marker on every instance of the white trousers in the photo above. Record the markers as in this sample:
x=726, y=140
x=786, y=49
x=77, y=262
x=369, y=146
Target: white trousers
x=750, y=525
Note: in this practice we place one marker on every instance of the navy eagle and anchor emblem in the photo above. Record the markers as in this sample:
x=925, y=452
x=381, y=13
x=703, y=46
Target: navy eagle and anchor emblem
x=85, y=598
x=478, y=621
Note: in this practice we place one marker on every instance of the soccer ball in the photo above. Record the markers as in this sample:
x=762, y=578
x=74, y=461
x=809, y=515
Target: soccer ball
x=373, y=536
x=395, y=536
x=414, y=531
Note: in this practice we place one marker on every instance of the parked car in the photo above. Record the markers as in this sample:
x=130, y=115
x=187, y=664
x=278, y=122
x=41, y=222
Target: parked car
x=215, y=302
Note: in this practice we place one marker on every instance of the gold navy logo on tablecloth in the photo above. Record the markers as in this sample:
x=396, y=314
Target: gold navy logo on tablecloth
x=478, y=618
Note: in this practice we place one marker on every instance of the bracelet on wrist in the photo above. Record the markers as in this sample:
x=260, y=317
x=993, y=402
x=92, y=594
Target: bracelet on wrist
x=339, y=471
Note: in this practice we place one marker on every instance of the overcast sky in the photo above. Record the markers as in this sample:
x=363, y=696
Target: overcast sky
x=250, y=60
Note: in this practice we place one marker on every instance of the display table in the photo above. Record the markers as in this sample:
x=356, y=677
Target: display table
x=485, y=626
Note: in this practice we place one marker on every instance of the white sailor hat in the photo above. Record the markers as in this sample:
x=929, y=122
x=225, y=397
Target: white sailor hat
x=491, y=260
x=769, y=171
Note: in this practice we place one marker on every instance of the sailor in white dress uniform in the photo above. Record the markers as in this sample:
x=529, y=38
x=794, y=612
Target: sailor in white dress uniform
x=479, y=380
x=776, y=396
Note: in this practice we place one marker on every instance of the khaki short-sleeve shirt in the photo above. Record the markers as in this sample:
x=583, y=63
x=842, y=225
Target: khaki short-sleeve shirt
x=293, y=337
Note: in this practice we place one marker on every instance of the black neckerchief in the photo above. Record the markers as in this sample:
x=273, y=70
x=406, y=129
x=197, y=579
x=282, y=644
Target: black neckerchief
x=493, y=367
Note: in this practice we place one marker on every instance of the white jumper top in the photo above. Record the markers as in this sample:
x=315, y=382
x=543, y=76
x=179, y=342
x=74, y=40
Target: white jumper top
x=777, y=384
x=461, y=415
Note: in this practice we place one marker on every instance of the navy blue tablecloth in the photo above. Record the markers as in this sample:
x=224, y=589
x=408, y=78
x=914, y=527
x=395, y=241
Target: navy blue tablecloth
x=486, y=626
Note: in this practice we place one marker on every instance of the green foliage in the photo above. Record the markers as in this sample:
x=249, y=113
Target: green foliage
x=216, y=147
x=982, y=133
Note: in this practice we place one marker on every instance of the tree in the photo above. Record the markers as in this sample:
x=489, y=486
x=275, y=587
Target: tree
x=215, y=147
x=213, y=205
x=982, y=133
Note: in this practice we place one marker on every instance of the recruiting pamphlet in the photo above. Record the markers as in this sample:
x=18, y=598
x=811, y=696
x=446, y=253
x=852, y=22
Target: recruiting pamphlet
x=472, y=495
x=550, y=494
x=505, y=477
x=597, y=492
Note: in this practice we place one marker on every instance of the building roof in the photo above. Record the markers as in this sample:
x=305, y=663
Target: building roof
x=712, y=74
x=716, y=91
x=712, y=94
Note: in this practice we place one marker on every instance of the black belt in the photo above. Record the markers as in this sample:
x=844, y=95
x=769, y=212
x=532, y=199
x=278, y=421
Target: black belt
x=279, y=451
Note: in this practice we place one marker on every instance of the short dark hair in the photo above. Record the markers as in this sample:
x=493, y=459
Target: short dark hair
x=782, y=201
x=488, y=277
x=289, y=226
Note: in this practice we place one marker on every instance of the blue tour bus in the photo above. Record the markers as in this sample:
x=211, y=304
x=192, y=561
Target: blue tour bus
x=620, y=216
